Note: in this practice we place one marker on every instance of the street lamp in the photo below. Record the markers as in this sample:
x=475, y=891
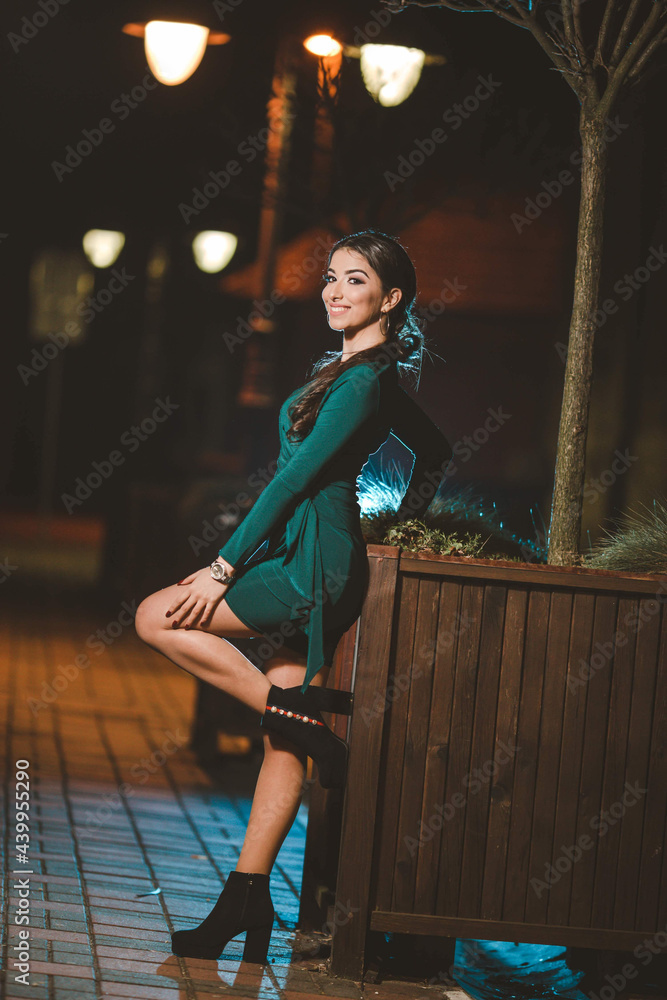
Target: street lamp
x=174, y=49
x=390, y=72
x=102, y=246
x=213, y=250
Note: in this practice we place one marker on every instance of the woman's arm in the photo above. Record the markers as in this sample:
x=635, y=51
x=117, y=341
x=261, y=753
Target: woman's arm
x=352, y=399
x=432, y=453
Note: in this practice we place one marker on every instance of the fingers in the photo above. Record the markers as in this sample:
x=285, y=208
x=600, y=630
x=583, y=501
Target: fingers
x=176, y=604
x=187, y=579
x=181, y=615
x=189, y=613
x=208, y=613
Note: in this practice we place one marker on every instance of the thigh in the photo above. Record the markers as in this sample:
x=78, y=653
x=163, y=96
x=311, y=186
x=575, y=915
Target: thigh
x=151, y=616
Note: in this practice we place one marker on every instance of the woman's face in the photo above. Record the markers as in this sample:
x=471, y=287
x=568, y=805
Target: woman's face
x=352, y=292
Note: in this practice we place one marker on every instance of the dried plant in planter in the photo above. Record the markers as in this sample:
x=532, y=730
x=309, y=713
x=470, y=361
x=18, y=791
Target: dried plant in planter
x=448, y=526
x=639, y=545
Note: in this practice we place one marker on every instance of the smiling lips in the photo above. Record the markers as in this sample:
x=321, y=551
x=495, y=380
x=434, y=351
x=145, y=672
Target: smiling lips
x=338, y=309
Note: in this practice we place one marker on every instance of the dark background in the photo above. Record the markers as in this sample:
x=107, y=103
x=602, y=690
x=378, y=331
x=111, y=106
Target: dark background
x=139, y=348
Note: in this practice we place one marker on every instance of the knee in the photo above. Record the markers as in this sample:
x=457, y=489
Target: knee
x=147, y=622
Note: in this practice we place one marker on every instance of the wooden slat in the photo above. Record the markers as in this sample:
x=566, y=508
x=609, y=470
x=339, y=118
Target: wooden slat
x=418, y=696
x=639, y=735
x=462, y=927
x=397, y=687
x=525, y=768
x=506, y=572
x=504, y=756
x=607, y=862
x=450, y=627
x=654, y=800
x=463, y=705
x=360, y=802
x=548, y=765
x=320, y=860
x=574, y=717
x=476, y=788
x=588, y=829
x=661, y=708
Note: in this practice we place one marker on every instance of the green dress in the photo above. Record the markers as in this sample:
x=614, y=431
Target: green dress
x=307, y=586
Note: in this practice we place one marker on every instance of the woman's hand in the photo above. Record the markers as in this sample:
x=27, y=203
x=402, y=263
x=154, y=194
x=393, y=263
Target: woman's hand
x=200, y=596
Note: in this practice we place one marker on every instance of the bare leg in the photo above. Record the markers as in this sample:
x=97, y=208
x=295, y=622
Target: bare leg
x=280, y=784
x=202, y=651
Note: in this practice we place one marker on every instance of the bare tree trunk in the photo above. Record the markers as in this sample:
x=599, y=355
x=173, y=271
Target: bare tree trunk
x=565, y=527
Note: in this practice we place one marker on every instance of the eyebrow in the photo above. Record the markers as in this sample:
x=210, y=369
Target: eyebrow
x=350, y=270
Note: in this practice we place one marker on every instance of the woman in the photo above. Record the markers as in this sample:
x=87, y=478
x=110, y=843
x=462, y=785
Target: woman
x=309, y=582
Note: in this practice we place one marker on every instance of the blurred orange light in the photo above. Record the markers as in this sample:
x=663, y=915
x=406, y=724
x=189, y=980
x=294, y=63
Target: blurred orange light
x=323, y=45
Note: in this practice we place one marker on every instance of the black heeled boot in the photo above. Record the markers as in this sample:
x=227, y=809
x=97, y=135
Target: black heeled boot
x=243, y=905
x=296, y=716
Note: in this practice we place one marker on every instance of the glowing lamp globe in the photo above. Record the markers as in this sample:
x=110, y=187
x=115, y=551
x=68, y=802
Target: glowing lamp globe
x=213, y=250
x=323, y=45
x=102, y=246
x=391, y=72
x=174, y=49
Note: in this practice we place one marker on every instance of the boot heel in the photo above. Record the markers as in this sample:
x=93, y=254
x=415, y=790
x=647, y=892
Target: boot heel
x=330, y=699
x=257, y=944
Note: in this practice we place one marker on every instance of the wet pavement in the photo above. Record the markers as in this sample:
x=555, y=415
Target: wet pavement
x=120, y=808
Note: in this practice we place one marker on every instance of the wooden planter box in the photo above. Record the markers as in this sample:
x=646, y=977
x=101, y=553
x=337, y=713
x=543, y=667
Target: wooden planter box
x=508, y=759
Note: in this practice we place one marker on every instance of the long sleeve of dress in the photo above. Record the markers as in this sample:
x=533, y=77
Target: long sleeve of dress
x=351, y=400
x=432, y=453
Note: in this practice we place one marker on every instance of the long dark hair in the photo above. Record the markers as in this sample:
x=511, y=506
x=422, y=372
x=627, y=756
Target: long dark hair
x=404, y=341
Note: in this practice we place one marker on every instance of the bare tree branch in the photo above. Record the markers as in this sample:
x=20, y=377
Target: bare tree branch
x=607, y=19
x=568, y=21
x=647, y=53
x=623, y=33
x=396, y=6
x=619, y=73
x=579, y=35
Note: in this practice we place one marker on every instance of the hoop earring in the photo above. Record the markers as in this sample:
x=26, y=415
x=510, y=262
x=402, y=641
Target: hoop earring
x=386, y=324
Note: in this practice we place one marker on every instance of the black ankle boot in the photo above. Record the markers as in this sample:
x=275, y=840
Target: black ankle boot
x=296, y=716
x=243, y=905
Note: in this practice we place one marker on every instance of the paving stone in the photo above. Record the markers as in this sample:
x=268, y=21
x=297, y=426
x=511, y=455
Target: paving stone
x=94, y=851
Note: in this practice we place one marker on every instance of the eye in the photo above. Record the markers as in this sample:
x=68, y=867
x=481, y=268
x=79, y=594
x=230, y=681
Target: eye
x=325, y=277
